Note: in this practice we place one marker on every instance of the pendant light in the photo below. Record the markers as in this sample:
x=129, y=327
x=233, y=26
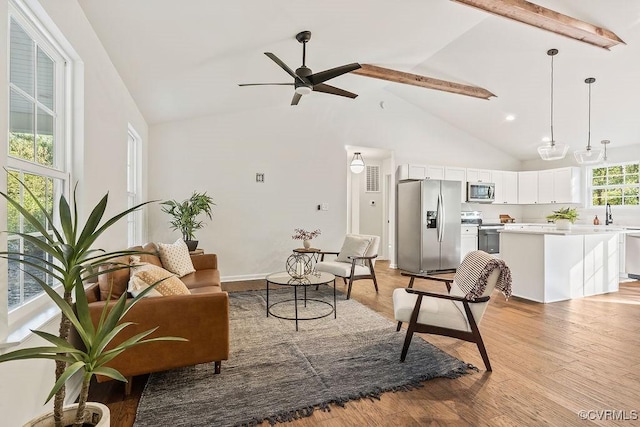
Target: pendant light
x=605, y=142
x=552, y=150
x=588, y=156
x=357, y=163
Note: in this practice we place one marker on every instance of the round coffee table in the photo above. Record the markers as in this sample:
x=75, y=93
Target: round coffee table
x=315, y=279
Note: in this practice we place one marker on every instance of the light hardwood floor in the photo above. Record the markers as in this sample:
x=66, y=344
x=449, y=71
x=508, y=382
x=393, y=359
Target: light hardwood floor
x=550, y=361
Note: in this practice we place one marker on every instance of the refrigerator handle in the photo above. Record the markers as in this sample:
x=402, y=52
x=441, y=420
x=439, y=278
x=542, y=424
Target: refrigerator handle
x=439, y=217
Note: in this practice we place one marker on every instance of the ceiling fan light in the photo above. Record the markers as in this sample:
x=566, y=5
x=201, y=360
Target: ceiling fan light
x=553, y=151
x=357, y=163
x=303, y=90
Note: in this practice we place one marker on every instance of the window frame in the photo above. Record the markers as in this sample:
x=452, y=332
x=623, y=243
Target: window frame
x=34, y=27
x=591, y=187
x=134, y=187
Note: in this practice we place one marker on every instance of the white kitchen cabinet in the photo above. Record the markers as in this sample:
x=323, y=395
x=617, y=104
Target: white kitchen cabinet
x=560, y=185
x=479, y=175
x=469, y=240
x=413, y=171
x=434, y=172
x=458, y=174
x=528, y=187
x=506, y=186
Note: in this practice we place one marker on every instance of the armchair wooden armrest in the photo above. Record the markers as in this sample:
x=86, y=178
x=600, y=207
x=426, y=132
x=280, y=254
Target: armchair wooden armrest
x=323, y=253
x=447, y=296
x=446, y=280
x=355, y=258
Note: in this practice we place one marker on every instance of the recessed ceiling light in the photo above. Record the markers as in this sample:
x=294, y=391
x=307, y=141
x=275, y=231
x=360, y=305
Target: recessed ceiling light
x=510, y=118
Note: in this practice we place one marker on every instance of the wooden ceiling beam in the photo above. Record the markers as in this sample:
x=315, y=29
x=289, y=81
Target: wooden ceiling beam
x=547, y=19
x=376, y=72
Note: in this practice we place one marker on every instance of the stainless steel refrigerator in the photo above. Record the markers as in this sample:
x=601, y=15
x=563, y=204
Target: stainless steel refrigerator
x=428, y=225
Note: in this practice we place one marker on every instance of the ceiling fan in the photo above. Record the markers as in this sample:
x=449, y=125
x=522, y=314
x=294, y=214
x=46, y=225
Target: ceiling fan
x=304, y=80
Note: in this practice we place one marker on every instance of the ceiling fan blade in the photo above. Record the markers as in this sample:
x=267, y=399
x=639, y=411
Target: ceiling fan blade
x=322, y=87
x=296, y=98
x=323, y=76
x=265, y=84
x=283, y=65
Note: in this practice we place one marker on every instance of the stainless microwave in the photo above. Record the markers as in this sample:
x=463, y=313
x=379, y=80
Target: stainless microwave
x=481, y=192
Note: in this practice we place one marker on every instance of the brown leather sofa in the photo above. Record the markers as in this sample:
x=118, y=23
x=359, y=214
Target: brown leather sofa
x=202, y=318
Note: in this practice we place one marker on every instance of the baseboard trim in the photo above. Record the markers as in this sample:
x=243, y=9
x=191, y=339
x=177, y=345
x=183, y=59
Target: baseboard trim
x=244, y=277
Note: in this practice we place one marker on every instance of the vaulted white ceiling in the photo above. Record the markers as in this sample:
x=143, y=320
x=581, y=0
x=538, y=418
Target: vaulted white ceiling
x=185, y=59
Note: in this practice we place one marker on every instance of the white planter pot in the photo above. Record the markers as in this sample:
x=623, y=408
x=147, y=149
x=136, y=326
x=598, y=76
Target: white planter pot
x=96, y=414
x=563, y=224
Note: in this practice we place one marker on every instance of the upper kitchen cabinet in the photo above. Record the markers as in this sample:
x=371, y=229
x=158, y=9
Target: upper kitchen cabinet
x=420, y=172
x=479, y=175
x=506, y=187
x=528, y=187
x=458, y=174
x=559, y=185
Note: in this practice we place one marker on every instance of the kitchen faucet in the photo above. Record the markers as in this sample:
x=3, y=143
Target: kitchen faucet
x=608, y=218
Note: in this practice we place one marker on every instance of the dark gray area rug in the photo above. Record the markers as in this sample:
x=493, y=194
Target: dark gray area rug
x=276, y=374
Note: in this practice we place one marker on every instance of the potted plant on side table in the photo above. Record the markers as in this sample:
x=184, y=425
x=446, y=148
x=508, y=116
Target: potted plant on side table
x=70, y=259
x=184, y=215
x=305, y=236
x=563, y=218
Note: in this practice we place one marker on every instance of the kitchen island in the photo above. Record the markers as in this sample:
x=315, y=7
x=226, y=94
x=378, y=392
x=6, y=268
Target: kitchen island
x=549, y=265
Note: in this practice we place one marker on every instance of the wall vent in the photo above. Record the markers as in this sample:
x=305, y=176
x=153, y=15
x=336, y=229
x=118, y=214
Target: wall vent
x=373, y=179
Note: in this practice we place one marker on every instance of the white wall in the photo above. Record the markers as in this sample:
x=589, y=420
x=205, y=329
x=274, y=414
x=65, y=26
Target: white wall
x=99, y=152
x=301, y=150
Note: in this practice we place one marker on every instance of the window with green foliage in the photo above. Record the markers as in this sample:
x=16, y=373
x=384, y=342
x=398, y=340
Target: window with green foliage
x=37, y=142
x=615, y=184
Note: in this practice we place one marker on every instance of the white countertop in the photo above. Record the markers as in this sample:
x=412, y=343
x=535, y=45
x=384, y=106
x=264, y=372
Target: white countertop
x=574, y=231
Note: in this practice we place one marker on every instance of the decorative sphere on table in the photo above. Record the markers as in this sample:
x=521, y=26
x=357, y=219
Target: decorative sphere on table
x=299, y=265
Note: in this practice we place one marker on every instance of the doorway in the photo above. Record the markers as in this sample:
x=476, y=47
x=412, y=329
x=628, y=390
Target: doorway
x=371, y=196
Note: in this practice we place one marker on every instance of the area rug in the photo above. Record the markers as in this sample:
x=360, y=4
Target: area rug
x=276, y=374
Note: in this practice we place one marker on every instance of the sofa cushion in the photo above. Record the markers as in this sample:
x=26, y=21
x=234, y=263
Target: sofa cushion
x=152, y=257
x=200, y=278
x=114, y=281
x=353, y=246
x=175, y=257
x=145, y=274
x=205, y=290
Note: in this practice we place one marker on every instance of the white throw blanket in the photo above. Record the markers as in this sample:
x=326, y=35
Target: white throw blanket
x=474, y=271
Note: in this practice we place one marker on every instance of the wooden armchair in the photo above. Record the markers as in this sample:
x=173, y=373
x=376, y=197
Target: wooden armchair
x=443, y=314
x=355, y=261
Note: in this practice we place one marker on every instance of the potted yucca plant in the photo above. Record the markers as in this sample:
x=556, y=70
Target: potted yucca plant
x=71, y=260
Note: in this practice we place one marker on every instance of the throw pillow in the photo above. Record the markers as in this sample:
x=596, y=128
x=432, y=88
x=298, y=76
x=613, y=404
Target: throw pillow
x=353, y=246
x=144, y=275
x=175, y=257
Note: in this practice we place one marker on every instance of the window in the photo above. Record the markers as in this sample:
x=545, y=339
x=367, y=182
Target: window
x=615, y=184
x=37, y=142
x=134, y=219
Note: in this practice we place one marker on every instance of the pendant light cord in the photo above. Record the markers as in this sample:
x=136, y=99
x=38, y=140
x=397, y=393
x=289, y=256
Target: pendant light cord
x=589, y=132
x=553, y=141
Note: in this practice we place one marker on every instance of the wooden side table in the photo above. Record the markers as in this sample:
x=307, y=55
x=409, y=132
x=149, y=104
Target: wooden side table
x=314, y=253
x=197, y=252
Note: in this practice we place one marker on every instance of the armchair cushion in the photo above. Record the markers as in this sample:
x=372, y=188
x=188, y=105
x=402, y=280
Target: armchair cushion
x=175, y=257
x=433, y=311
x=343, y=269
x=353, y=246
